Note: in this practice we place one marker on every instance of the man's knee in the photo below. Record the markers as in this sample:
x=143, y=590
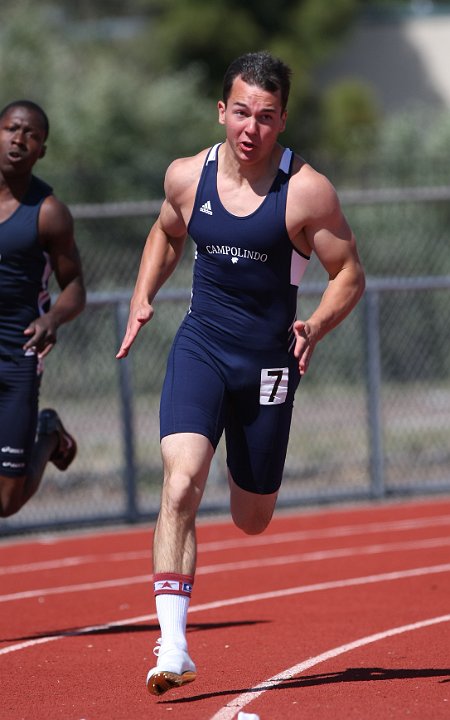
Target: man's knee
x=252, y=513
x=187, y=458
x=252, y=523
x=181, y=495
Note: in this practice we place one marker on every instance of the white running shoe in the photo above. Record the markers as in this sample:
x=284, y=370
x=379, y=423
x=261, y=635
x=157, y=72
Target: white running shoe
x=174, y=668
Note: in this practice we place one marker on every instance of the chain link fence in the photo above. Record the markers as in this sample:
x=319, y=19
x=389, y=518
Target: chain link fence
x=372, y=416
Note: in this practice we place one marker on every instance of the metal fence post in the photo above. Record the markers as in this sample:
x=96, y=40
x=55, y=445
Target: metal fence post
x=373, y=379
x=126, y=407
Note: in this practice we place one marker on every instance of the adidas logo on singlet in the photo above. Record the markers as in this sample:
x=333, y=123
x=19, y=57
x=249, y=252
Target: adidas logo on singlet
x=206, y=208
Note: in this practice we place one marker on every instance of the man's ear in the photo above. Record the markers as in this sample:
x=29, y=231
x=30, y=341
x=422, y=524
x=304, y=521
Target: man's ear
x=221, y=108
x=43, y=151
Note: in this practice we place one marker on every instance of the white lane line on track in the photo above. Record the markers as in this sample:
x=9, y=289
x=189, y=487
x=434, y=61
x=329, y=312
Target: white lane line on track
x=74, y=562
x=271, y=595
x=232, y=544
x=230, y=710
x=314, y=556
x=332, y=532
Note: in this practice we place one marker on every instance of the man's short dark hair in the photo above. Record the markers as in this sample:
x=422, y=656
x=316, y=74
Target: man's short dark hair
x=31, y=106
x=261, y=69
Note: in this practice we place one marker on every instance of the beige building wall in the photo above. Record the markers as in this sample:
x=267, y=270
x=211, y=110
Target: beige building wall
x=406, y=62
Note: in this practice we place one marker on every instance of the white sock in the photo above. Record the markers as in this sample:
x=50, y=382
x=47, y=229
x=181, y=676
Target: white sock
x=172, y=615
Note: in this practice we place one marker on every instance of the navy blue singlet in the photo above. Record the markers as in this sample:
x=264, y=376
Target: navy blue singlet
x=246, y=270
x=231, y=367
x=24, y=270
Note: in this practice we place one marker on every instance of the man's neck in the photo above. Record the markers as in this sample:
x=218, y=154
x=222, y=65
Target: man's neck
x=253, y=174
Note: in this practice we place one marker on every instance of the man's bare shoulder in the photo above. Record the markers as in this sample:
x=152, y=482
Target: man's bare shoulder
x=55, y=219
x=183, y=174
x=312, y=189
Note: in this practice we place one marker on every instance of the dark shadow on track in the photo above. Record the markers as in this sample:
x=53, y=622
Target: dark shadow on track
x=349, y=675
x=128, y=628
x=369, y=674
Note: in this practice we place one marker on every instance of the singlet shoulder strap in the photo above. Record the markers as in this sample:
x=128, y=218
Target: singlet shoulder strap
x=212, y=155
x=286, y=161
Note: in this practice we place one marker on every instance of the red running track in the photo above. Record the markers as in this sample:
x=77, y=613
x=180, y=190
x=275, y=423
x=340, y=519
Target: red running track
x=338, y=613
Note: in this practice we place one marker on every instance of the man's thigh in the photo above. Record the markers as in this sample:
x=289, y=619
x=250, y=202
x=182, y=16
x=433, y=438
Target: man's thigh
x=192, y=398
x=257, y=427
x=19, y=395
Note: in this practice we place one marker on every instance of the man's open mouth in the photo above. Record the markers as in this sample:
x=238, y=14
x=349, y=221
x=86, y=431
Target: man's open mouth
x=15, y=155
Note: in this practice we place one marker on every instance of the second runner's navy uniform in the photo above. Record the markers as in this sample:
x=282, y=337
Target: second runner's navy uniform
x=24, y=272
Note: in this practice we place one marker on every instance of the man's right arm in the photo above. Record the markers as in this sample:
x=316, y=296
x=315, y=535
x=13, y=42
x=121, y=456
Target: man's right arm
x=165, y=242
x=162, y=251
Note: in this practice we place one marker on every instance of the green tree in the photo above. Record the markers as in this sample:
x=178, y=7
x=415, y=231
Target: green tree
x=126, y=94
x=114, y=125
x=211, y=34
x=349, y=121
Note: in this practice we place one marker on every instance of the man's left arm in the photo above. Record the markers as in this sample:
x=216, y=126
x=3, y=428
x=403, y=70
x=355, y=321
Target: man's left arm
x=329, y=236
x=56, y=233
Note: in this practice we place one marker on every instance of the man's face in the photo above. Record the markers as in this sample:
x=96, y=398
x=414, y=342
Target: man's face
x=253, y=118
x=22, y=140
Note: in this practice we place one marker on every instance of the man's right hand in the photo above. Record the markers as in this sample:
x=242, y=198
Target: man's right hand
x=139, y=316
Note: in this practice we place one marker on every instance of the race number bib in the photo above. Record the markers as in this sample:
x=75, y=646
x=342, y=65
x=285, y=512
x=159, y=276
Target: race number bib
x=274, y=386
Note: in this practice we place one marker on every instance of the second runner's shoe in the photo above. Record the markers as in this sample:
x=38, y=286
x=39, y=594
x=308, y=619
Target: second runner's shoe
x=49, y=422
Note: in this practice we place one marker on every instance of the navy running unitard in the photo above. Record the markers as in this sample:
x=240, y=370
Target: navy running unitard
x=231, y=367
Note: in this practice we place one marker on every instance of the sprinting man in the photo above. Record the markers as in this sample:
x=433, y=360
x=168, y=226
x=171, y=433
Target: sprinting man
x=256, y=212
x=36, y=238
